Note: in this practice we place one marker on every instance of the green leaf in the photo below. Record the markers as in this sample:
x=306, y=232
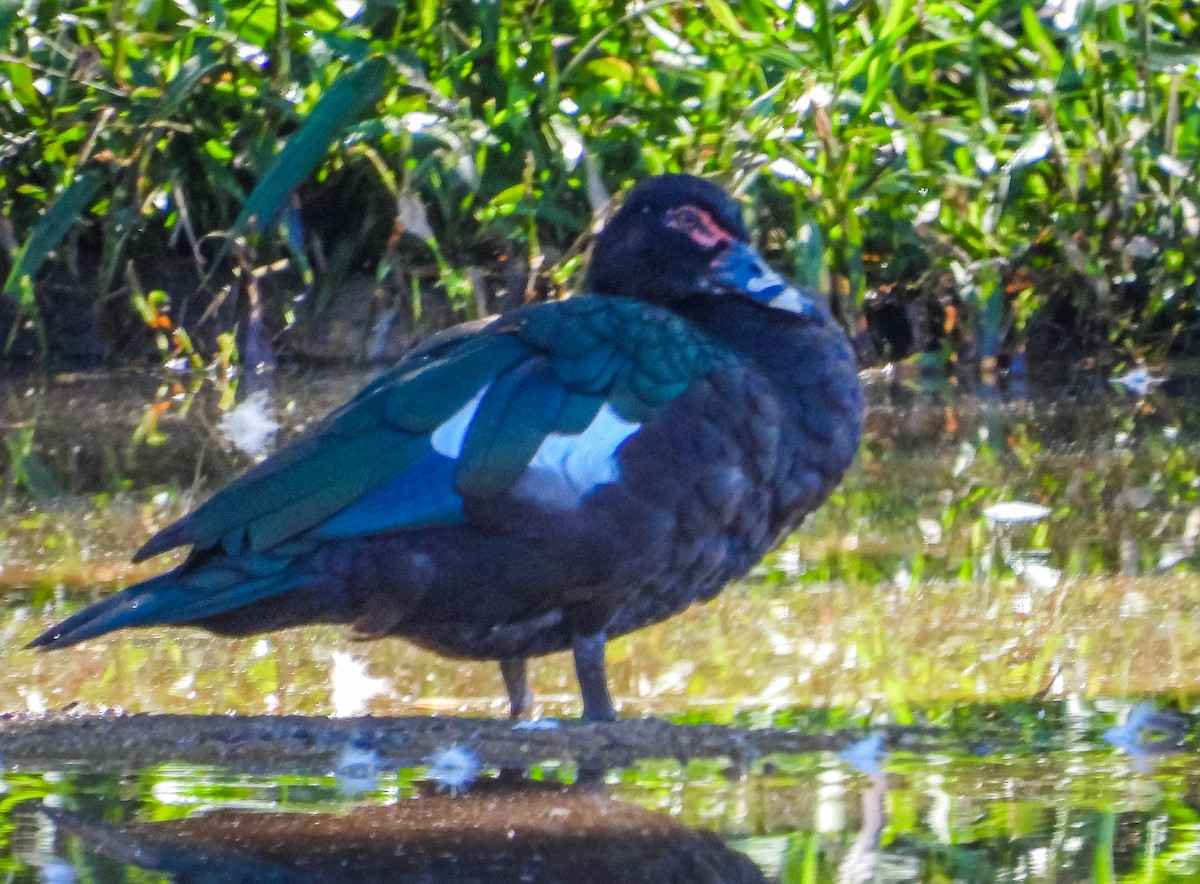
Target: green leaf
x=20, y=76
x=8, y=14
x=26, y=469
x=189, y=75
x=611, y=68
x=825, y=33
x=508, y=197
x=723, y=14
x=1040, y=39
x=340, y=106
x=810, y=250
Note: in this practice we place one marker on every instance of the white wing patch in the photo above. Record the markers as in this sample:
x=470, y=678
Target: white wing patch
x=447, y=439
x=566, y=468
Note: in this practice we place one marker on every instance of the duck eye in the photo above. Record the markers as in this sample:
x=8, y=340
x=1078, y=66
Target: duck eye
x=699, y=226
x=685, y=218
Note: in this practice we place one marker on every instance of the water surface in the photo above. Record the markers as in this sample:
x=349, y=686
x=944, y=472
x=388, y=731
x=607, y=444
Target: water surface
x=1020, y=644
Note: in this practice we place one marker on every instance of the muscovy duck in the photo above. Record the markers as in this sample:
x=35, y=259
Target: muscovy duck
x=563, y=474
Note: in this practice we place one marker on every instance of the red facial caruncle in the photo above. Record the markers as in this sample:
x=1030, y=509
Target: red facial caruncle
x=700, y=226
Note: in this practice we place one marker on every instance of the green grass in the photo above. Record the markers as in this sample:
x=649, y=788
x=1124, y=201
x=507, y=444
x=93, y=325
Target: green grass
x=998, y=175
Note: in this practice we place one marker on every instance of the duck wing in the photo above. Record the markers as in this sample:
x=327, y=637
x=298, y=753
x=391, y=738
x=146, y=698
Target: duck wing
x=534, y=403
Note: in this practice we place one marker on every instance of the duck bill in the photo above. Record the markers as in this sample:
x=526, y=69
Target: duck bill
x=742, y=269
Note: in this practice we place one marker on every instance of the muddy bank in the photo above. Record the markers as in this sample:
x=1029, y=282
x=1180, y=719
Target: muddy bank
x=302, y=744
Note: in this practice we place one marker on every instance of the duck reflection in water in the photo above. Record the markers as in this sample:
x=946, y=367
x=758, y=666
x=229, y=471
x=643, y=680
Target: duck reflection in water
x=503, y=830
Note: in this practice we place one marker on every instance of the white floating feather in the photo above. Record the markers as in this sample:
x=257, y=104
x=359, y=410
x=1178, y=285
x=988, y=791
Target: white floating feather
x=251, y=427
x=454, y=768
x=351, y=686
x=1012, y=511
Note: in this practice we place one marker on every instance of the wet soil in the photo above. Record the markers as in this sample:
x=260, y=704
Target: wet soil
x=294, y=743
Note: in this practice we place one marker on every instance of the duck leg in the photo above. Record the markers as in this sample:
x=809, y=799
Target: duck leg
x=516, y=682
x=593, y=680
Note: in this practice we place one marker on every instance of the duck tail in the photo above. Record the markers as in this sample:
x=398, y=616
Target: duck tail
x=172, y=598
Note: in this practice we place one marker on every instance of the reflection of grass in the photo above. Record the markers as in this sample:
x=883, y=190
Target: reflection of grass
x=897, y=592
x=1121, y=482
x=78, y=544
x=1122, y=487
x=871, y=649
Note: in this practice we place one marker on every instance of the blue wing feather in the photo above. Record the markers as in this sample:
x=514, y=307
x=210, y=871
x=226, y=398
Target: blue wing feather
x=420, y=497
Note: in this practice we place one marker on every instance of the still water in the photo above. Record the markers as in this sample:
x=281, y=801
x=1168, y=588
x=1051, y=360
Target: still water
x=991, y=627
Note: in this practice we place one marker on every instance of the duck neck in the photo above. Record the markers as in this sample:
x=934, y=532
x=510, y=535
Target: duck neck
x=810, y=365
x=792, y=351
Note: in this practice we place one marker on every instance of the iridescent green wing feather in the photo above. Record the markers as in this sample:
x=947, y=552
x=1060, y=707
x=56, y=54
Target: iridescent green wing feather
x=463, y=419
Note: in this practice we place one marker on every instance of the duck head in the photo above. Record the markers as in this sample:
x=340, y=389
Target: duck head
x=679, y=237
